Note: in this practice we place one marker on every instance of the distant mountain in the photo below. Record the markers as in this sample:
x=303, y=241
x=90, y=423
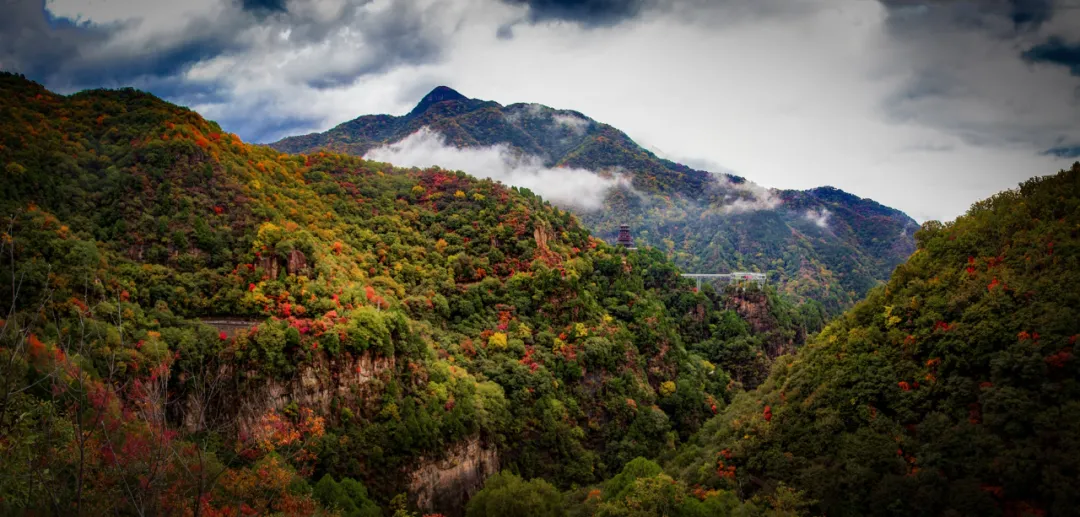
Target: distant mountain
x=822, y=244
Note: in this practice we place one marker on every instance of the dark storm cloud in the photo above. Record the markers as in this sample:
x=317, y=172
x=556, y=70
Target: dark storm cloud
x=1056, y=51
x=64, y=54
x=36, y=44
x=967, y=75
x=1064, y=152
x=584, y=12
x=144, y=69
x=67, y=55
x=186, y=93
x=1023, y=14
x=1031, y=12
x=264, y=5
x=267, y=129
x=399, y=36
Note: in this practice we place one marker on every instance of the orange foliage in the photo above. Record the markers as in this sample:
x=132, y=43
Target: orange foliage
x=275, y=431
x=1058, y=359
x=81, y=305
x=725, y=471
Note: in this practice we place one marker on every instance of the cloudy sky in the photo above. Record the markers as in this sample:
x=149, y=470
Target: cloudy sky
x=923, y=105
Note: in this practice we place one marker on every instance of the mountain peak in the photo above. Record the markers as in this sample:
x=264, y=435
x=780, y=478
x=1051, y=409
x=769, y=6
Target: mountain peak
x=439, y=94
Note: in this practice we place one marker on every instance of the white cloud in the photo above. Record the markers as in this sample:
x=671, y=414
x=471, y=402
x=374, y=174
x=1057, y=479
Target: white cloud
x=567, y=187
x=747, y=196
x=820, y=217
x=928, y=119
x=572, y=122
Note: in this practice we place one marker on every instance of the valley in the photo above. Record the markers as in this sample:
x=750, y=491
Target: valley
x=195, y=325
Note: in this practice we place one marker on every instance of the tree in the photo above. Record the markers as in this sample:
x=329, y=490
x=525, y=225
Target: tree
x=350, y=497
x=507, y=495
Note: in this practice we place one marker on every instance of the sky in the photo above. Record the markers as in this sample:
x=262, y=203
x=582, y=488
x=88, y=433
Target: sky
x=922, y=105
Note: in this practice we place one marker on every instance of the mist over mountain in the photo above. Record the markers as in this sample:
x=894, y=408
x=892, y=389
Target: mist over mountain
x=195, y=325
x=822, y=244
x=255, y=261
x=218, y=325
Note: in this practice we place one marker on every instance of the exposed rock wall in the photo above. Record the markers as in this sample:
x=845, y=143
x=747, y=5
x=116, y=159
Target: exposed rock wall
x=444, y=485
x=295, y=264
x=753, y=307
x=353, y=378
x=542, y=235
x=440, y=484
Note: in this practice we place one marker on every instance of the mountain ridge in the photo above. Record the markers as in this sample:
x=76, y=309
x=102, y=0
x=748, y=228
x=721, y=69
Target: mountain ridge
x=393, y=321
x=826, y=244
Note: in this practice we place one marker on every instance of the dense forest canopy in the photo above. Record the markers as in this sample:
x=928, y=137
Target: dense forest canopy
x=192, y=325
x=952, y=390
x=380, y=319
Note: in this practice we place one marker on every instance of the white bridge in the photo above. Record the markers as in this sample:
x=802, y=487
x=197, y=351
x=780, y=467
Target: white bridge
x=739, y=277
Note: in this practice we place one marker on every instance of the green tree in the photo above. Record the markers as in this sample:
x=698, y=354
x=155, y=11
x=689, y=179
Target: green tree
x=507, y=495
x=349, y=497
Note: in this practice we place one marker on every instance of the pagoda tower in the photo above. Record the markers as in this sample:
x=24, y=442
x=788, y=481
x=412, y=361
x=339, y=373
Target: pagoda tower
x=625, y=240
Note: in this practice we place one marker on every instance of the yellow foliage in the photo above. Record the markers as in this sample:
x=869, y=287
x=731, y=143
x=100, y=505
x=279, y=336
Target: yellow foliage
x=523, y=331
x=580, y=330
x=497, y=341
x=667, y=388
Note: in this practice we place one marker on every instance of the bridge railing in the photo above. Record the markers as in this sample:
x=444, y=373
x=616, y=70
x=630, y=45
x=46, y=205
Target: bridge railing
x=735, y=276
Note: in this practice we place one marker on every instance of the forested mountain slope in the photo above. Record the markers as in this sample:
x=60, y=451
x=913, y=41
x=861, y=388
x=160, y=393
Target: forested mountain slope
x=390, y=331
x=952, y=390
x=822, y=244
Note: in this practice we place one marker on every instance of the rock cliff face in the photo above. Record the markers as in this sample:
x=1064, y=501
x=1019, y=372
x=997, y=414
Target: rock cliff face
x=445, y=484
x=753, y=306
x=352, y=378
x=295, y=264
x=437, y=484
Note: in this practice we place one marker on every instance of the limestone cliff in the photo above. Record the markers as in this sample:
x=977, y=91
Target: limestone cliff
x=440, y=484
x=357, y=379
x=445, y=484
x=754, y=307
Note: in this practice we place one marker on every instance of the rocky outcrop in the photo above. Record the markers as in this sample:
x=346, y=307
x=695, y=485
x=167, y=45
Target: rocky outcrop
x=357, y=380
x=441, y=484
x=542, y=235
x=297, y=263
x=754, y=308
x=269, y=265
x=445, y=484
